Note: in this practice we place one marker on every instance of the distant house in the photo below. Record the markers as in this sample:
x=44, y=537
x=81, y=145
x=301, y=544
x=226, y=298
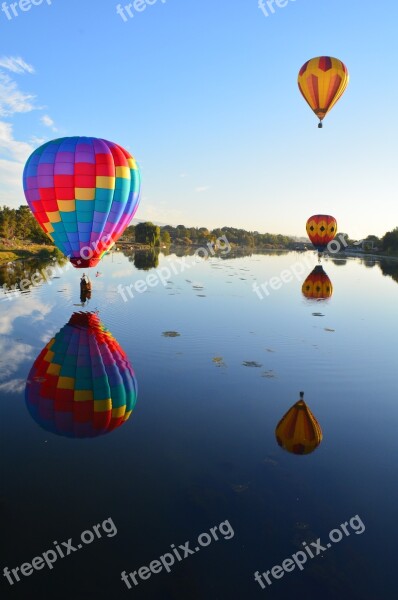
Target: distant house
x=357, y=249
x=362, y=246
x=300, y=247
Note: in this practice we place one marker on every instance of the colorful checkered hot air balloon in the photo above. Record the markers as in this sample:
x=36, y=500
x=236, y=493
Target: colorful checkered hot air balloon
x=322, y=81
x=83, y=192
x=321, y=230
x=298, y=431
x=317, y=285
x=82, y=383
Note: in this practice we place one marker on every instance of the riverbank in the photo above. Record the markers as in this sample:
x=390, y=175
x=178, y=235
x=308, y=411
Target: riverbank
x=11, y=251
x=367, y=255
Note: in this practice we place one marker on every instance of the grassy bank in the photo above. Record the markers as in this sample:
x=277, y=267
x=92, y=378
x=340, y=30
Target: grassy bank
x=17, y=249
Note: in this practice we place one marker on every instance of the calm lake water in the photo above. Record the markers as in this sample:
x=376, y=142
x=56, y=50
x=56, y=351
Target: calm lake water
x=216, y=369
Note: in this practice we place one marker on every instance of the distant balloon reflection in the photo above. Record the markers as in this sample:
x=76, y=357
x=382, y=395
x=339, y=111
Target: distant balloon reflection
x=298, y=431
x=82, y=384
x=317, y=285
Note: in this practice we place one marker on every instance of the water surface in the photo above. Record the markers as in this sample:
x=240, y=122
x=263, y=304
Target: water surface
x=216, y=368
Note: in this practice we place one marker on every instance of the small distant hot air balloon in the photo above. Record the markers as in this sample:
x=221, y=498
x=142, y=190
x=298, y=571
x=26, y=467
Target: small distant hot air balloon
x=298, y=431
x=82, y=384
x=321, y=230
x=83, y=192
x=322, y=81
x=317, y=285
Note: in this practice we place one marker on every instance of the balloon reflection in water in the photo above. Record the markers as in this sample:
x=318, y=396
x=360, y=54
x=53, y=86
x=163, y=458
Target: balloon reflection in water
x=298, y=431
x=82, y=383
x=317, y=285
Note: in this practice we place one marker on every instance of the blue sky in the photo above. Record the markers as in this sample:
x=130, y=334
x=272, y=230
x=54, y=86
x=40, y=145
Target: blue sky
x=204, y=94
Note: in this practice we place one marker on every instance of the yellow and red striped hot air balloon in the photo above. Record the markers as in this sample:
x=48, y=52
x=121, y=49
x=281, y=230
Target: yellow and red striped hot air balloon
x=322, y=81
x=298, y=431
x=321, y=230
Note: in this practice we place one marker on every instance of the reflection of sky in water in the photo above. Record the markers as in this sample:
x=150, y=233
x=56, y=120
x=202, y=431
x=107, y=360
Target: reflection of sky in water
x=200, y=446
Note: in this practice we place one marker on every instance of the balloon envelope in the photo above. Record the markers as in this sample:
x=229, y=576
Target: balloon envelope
x=322, y=81
x=317, y=285
x=83, y=192
x=298, y=431
x=82, y=383
x=321, y=230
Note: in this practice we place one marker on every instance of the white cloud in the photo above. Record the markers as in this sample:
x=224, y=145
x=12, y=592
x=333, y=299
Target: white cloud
x=14, y=354
x=35, y=309
x=11, y=193
x=159, y=213
x=13, y=155
x=12, y=100
x=16, y=64
x=15, y=386
x=48, y=122
x=201, y=189
x=47, y=334
x=10, y=148
x=37, y=141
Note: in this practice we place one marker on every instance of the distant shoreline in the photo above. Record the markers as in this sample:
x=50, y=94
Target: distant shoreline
x=10, y=252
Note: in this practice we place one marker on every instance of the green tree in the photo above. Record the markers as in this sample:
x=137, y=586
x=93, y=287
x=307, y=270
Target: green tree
x=147, y=233
x=21, y=224
x=8, y=222
x=129, y=234
x=165, y=237
x=181, y=231
x=373, y=238
x=389, y=241
x=340, y=235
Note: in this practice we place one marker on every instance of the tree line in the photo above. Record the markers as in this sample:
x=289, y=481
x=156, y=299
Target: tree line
x=20, y=224
x=153, y=235
x=389, y=242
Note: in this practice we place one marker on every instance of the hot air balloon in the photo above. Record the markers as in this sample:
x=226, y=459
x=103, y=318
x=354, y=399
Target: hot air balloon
x=82, y=384
x=83, y=192
x=317, y=285
x=322, y=81
x=321, y=230
x=298, y=431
